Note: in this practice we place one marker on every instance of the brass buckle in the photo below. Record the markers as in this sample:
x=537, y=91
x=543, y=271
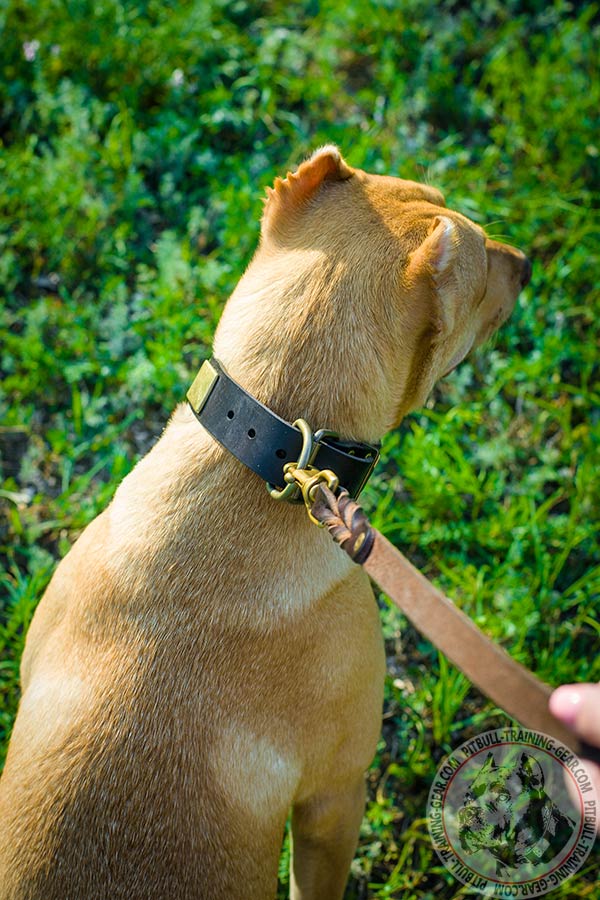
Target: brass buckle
x=303, y=478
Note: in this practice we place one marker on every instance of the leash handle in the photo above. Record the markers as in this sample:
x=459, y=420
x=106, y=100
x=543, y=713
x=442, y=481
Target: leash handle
x=487, y=665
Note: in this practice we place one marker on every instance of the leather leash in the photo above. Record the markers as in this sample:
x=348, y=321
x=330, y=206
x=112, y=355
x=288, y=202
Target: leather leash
x=263, y=441
x=489, y=667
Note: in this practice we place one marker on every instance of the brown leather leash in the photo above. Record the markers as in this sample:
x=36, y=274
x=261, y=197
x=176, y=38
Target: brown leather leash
x=490, y=668
x=262, y=441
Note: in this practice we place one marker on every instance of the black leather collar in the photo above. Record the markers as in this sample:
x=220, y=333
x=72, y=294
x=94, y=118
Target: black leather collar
x=262, y=440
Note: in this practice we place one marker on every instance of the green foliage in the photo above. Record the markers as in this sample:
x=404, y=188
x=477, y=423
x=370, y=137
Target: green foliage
x=137, y=139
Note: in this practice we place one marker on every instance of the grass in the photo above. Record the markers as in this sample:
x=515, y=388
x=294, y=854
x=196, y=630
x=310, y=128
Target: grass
x=137, y=140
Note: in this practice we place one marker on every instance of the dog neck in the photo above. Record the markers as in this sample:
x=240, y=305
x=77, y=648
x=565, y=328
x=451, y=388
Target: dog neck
x=264, y=442
x=339, y=378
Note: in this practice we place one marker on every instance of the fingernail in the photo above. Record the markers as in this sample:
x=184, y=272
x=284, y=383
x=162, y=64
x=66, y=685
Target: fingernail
x=565, y=702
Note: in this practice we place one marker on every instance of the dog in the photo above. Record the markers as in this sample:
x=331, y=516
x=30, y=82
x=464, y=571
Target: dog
x=205, y=659
x=508, y=812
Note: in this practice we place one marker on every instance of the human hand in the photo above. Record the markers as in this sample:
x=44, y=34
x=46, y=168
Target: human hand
x=578, y=707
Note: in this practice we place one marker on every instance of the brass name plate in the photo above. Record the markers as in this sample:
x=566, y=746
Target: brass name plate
x=201, y=387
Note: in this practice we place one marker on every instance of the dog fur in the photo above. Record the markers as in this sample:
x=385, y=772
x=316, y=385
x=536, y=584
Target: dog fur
x=205, y=659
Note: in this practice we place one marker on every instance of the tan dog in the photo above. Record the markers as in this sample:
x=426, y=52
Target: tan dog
x=205, y=659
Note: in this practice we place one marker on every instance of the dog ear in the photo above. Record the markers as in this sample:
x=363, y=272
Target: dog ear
x=531, y=773
x=490, y=763
x=288, y=195
x=434, y=260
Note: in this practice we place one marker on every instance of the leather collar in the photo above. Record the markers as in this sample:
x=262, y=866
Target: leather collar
x=263, y=441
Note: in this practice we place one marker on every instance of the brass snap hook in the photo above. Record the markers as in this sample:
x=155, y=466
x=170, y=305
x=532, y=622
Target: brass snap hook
x=309, y=479
x=301, y=477
x=290, y=492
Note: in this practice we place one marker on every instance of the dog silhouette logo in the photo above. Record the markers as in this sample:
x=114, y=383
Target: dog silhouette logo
x=508, y=812
x=512, y=813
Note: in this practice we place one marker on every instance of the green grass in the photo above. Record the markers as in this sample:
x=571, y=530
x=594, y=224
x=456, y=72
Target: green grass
x=136, y=146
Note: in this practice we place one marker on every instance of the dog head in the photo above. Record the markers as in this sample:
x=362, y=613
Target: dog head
x=365, y=290
x=507, y=812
